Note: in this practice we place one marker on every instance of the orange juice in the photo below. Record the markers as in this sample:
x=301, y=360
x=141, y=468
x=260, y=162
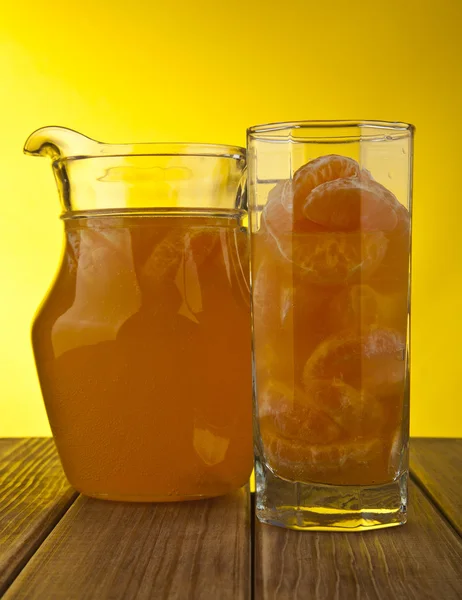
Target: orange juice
x=143, y=354
x=331, y=273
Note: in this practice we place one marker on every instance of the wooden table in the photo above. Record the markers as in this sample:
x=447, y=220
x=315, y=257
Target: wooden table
x=55, y=544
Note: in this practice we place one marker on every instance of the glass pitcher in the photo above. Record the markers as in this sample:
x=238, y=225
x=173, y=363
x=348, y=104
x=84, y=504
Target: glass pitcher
x=142, y=344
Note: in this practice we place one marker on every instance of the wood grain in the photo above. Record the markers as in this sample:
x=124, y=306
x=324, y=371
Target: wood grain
x=7, y=444
x=114, y=550
x=34, y=494
x=420, y=560
x=436, y=464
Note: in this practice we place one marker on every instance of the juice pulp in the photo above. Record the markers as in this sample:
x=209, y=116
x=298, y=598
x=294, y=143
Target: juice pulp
x=143, y=354
x=330, y=262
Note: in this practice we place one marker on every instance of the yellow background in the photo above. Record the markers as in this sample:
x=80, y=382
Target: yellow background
x=204, y=71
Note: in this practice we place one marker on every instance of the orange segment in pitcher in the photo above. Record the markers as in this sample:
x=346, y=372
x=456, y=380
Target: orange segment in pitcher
x=178, y=244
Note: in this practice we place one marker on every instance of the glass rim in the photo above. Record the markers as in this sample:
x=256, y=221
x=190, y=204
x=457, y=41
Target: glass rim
x=267, y=130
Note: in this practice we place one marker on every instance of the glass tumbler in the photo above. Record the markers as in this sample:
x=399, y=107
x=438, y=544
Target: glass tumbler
x=330, y=270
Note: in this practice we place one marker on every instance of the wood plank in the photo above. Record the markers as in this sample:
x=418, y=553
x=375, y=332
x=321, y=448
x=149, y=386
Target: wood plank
x=7, y=444
x=436, y=464
x=34, y=494
x=420, y=560
x=102, y=550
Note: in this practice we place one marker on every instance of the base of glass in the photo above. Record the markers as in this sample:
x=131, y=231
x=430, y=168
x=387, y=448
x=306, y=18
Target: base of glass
x=320, y=507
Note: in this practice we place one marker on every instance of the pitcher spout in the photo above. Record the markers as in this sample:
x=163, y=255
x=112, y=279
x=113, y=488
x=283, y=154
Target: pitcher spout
x=59, y=142
x=96, y=176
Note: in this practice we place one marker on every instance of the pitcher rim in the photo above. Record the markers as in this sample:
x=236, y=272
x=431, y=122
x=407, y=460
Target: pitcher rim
x=87, y=148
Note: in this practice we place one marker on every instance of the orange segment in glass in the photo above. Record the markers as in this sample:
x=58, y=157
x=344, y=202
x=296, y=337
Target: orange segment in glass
x=352, y=204
x=289, y=412
x=393, y=273
x=359, y=306
x=363, y=461
x=280, y=215
x=272, y=294
x=373, y=361
x=335, y=258
x=319, y=171
x=355, y=411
